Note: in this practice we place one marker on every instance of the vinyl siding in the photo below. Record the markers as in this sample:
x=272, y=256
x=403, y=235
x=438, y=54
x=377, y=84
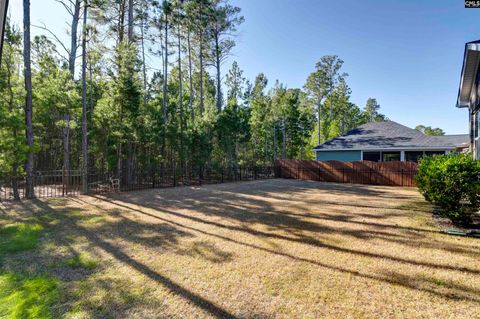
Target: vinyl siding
x=345, y=156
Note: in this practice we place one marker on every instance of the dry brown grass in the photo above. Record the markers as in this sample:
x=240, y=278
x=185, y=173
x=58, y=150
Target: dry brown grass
x=265, y=249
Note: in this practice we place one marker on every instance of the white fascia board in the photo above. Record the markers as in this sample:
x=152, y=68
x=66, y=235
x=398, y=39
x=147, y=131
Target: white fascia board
x=470, y=80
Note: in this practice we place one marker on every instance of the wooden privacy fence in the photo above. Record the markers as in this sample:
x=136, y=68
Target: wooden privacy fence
x=361, y=172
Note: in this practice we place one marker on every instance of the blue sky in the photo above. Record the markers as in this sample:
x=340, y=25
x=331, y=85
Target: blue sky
x=407, y=54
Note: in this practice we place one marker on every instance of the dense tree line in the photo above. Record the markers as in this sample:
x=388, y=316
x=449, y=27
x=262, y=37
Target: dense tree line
x=149, y=92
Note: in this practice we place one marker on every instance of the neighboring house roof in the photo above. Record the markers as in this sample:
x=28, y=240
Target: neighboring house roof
x=471, y=59
x=391, y=135
x=458, y=140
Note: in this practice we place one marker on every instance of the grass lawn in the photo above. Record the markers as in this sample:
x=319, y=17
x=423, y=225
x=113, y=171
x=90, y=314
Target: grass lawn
x=264, y=249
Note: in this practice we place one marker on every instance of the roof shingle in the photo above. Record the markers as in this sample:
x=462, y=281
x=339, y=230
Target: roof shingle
x=389, y=134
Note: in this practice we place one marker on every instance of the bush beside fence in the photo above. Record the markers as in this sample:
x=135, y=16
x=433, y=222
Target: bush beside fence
x=361, y=172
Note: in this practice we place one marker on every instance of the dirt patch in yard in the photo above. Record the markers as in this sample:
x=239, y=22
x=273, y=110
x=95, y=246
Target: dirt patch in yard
x=263, y=249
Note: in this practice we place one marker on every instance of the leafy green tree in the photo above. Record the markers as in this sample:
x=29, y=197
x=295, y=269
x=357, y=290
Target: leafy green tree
x=13, y=149
x=224, y=21
x=428, y=130
x=159, y=55
x=371, y=111
x=55, y=95
x=260, y=110
x=321, y=85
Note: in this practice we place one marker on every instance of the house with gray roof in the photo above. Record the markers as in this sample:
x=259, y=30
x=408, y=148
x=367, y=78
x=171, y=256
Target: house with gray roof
x=387, y=141
x=469, y=93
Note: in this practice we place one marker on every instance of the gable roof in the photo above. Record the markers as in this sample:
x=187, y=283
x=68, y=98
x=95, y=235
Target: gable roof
x=390, y=134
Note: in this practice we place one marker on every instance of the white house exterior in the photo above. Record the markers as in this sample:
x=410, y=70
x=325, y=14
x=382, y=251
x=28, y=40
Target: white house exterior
x=469, y=93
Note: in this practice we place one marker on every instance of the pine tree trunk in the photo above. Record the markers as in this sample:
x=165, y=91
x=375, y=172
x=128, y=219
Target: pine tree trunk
x=219, y=84
x=201, y=73
x=84, y=103
x=180, y=98
x=165, y=76
x=284, y=139
x=130, y=21
x=121, y=22
x=274, y=143
x=121, y=35
x=190, y=78
x=165, y=80
x=144, y=67
x=130, y=145
x=130, y=157
x=91, y=161
x=30, y=192
x=11, y=100
x=319, y=122
x=66, y=117
x=266, y=147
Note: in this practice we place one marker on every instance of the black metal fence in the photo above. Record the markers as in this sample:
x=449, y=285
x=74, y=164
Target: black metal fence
x=59, y=183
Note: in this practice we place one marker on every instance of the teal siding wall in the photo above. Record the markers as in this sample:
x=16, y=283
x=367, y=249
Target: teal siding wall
x=345, y=156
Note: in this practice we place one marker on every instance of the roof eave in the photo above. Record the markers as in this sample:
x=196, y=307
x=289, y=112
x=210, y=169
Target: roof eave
x=399, y=148
x=471, y=60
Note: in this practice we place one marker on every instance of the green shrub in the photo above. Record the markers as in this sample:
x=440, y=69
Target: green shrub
x=451, y=182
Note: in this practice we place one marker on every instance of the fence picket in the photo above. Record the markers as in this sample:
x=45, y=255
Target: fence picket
x=54, y=183
x=362, y=172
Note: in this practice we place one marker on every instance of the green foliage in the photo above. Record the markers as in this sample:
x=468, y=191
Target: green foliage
x=428, y=130
x=453, y=183
x=19, y=237
x=129, y=129
x=371, y=112
x=25, y=297
x=81, y=261
x=13, y=148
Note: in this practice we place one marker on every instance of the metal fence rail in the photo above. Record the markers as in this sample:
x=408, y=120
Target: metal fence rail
x=57, y=183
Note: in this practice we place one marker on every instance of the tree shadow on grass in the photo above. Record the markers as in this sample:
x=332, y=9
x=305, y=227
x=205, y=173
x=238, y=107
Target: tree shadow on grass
x=166, y=238
x=223, y=217
x=241, y=207
x=207, y=251
x=302, y=239
x=411, y=283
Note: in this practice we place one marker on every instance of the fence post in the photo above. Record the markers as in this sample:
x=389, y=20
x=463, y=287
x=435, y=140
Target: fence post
x=174, y=175
x=402, y=177
x=63, y=182
x=222, y=175
x=153, y=178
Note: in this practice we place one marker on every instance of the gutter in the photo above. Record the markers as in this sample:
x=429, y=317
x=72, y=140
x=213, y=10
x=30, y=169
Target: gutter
x=436, y=148
x=470, y=46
